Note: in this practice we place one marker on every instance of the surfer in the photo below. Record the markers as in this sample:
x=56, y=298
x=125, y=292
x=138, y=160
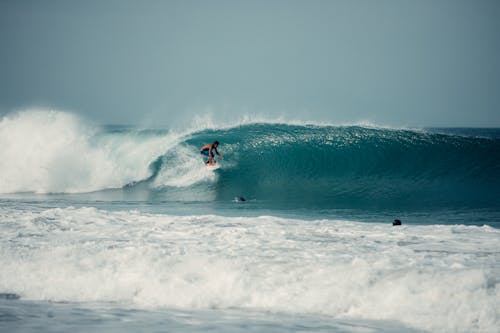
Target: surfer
x=207, y=150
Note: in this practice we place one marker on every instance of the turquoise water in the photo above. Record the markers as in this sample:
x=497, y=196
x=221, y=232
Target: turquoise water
x=426, y=176
x=124, y=229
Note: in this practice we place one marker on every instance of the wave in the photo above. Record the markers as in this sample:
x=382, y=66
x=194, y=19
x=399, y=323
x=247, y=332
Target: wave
x=329, y=165
x=278, y=163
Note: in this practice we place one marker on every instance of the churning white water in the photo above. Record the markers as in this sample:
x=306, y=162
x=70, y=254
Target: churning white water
x=437, y=278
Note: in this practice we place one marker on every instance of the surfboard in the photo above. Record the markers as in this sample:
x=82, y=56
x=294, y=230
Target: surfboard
x=212, y=166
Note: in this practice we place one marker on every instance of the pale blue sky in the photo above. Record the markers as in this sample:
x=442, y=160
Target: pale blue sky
x=399, y=63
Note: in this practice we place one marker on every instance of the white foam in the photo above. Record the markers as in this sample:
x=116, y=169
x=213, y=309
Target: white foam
x=52, y=151
x=183, y=168
x=437, y=278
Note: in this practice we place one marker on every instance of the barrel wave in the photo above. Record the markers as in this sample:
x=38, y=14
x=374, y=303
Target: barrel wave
x=355, y=167
x=279, y=165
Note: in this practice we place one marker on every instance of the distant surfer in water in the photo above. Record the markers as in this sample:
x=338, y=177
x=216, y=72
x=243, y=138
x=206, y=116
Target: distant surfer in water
x=207, y=150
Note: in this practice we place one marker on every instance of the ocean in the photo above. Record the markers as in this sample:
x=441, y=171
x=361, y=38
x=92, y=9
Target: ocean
x=123, y=229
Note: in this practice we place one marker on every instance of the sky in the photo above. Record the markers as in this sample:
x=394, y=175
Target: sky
x=398, y=63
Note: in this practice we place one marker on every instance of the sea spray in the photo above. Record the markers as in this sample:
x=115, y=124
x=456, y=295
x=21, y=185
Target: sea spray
x=52, y=151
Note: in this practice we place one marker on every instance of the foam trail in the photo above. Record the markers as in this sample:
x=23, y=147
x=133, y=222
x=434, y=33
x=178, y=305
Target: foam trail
x=182, y=168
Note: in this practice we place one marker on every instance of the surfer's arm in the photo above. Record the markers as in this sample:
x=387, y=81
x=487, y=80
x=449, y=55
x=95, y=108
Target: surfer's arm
x=218, y=153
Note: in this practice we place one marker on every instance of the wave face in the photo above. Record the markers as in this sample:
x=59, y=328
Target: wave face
x=279, y=164
x=331, y=166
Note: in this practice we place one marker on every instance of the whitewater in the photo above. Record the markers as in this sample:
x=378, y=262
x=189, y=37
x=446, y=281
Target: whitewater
x=113, y=228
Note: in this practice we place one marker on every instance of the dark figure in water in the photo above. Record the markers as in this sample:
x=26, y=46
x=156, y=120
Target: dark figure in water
x=207, y=150
x=396, y=222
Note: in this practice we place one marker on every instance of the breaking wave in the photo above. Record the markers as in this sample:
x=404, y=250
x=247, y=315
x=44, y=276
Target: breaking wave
x=308, y=165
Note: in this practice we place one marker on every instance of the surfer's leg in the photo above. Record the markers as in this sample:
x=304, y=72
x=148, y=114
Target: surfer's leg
x=205, y=153
x=210, y=158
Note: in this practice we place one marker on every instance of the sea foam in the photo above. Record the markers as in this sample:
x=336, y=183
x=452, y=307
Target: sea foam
x=438, y=278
